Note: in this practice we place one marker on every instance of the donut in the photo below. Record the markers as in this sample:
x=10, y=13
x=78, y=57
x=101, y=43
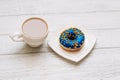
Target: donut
x=72, y=39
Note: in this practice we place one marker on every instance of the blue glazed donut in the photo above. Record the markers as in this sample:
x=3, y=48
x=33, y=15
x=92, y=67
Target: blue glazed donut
x=72, y=39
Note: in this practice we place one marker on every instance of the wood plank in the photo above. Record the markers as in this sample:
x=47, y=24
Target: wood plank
x=105, y=39
x=101, y=64
x=11, y=24
x=45, y=7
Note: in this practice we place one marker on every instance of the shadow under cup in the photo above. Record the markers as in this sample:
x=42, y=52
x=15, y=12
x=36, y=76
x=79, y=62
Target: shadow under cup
x=34, y=31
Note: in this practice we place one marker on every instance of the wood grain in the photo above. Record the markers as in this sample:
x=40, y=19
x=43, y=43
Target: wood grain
x=89, y=21
x=100, y=64
x=45, y=7
x=21, y=62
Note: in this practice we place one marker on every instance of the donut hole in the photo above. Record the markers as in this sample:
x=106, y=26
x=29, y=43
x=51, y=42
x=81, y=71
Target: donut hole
x=71, y=36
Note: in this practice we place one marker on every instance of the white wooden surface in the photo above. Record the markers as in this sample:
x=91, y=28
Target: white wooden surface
x=20, y=62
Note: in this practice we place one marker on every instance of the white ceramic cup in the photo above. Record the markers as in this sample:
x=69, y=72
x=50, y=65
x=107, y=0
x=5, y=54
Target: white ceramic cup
x=34, y=31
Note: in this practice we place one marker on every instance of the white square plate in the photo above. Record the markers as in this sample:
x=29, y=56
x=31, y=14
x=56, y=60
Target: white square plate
x=76, y=56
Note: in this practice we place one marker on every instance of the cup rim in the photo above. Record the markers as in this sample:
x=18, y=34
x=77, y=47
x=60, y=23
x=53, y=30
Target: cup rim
x=37, y=18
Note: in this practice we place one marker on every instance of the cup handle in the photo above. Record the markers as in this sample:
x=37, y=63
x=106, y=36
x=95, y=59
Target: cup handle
x=16, y=37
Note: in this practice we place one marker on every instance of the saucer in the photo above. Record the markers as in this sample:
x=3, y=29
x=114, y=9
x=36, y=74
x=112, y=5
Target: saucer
x=76, y=56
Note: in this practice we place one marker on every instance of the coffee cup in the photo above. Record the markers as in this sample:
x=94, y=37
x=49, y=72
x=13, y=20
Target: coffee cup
x=33, y=32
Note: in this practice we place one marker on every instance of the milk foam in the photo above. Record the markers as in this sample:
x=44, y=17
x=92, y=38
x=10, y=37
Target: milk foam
x=34, y=28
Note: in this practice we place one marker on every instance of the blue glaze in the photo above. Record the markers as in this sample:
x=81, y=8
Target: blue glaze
x=72, y=38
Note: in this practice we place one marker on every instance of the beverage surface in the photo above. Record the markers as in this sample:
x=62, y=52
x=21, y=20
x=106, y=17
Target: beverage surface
x=34, y=28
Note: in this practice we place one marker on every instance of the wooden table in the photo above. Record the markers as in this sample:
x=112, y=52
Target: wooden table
x=21, y=62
